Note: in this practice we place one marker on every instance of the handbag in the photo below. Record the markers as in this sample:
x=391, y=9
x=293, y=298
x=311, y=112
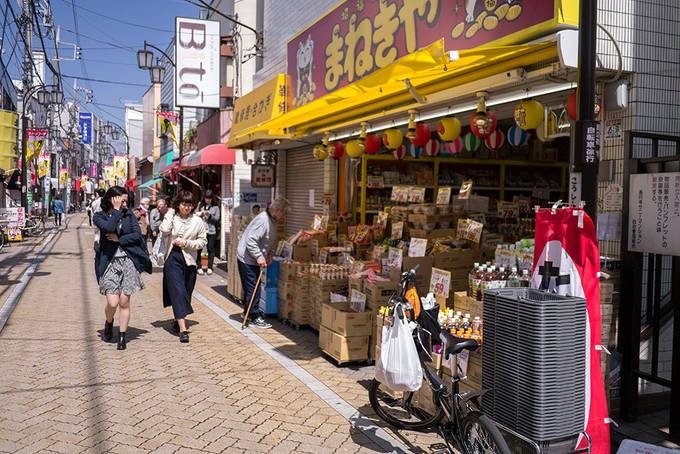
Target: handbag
x=399, y=366
x=158, y=252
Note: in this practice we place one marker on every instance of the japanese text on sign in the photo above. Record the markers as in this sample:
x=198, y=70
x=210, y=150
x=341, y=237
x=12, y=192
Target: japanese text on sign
x=440, y=282
x=263, y=175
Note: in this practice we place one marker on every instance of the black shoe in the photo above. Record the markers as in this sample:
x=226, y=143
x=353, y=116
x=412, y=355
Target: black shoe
x=108, y=331
x=259, y=322
x=122, y=344
x=175, y=327
x=184, y=337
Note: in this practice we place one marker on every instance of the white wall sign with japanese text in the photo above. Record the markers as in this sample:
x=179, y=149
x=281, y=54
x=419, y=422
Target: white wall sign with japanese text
x=575, y=184
x=197, y=58
x=418, y=247
x=357, y=300
x=654, y=213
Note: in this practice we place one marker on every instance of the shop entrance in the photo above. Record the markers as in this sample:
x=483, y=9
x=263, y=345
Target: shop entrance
x=649, y=314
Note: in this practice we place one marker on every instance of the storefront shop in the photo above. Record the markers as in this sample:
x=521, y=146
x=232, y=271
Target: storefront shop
x=435, y=152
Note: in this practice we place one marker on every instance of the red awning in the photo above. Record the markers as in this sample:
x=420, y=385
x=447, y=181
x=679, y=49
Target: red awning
x=212, y=155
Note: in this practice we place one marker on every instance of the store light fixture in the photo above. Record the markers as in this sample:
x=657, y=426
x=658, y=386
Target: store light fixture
x=514, y=96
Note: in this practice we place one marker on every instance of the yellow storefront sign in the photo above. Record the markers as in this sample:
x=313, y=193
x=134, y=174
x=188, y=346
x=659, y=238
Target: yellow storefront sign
x=266, y=102
x=8, y=140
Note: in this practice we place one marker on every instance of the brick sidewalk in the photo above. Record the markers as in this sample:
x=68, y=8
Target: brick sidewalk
x=64, y=390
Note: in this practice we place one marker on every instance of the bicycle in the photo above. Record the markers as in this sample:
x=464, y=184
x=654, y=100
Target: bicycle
x=34, y=225
x=458, y=417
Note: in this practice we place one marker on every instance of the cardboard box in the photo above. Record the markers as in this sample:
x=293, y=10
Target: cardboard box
x=424, y=398
x=474, y=204
x=473, y=372
x=340, y=318
x=379, y=291
x=356, y=284
x=424, y=273
x=458, y=260
x=343, y=349
x=302, y=252
x=467, y=304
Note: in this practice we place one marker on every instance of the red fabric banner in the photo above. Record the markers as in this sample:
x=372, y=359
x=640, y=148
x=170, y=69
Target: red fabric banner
x=567, y=261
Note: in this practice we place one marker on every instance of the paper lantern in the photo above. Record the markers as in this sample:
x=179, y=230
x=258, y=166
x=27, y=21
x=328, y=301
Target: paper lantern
x=422, y=135
x=336, y=150
x=529, y=114
x=449, y=129
x=372, y=144
x=495, y=140
x=471, y=142
x=454, y=147
x=392, y=139
x=483, y=123
x=517, y=137
x=414, y=151
x=354, y=149
x=320, y=152
x=540, y=134
x=400, y=152
x=432, y=147
x=572, y=106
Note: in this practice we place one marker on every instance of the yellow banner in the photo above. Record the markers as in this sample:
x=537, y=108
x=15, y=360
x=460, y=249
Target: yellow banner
x=120, y=166
x=34, y=149
x=43, y=165
x=108, y=174
x=264, y=103
x=63, y=177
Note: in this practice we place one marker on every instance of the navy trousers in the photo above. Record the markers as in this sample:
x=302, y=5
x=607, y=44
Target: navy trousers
x=248, y=274
x=178, y=284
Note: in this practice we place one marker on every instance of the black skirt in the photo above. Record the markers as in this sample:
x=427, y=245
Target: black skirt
x=178, y=284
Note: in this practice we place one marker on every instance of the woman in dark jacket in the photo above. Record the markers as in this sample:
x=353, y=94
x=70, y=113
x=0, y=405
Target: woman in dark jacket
x=121, y=257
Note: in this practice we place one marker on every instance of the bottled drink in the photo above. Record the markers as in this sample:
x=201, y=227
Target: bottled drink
x=471, y=278
x=525, y=280
x=501, y=278
x=477, y=283
x=513, y=278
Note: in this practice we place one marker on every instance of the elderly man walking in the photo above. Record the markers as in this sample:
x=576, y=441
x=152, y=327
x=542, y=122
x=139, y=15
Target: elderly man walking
x=254, y=252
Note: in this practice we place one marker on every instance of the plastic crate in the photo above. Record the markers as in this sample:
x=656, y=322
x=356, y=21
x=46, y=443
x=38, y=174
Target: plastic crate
x=269, y=301
x=273, y=274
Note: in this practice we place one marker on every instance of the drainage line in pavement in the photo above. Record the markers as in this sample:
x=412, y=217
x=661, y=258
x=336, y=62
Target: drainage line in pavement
x=14, y=297
x=375, y=433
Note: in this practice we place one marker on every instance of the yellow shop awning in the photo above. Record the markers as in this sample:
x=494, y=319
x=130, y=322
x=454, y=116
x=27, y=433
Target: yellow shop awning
x=429, y=71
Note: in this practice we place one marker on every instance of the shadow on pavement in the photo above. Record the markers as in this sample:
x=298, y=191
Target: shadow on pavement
x=167, y=325
x=132, y=334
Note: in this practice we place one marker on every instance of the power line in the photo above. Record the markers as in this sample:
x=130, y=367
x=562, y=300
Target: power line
x=114, y=19
x=104, y=81
x=108, y=62
x=26, y=46
x=42, y=43
x=78, y=35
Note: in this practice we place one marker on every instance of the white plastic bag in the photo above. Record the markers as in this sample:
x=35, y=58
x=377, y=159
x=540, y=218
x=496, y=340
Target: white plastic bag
x=158, y=252
x=399, y=367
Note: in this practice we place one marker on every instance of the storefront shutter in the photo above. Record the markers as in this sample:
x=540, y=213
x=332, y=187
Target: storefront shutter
x=303, y=175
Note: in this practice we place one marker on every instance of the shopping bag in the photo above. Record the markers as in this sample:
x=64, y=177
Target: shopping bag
x=158, y=252
x=399, y=367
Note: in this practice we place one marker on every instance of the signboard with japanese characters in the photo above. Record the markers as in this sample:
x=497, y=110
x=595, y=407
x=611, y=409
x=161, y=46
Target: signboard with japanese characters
x=262, y=104
x=416, y=194
x=263, y=175
x=358, y=37
x=397, y=230
x=440, y=282
x=654, y=213
x=575, y=183
x=444, y=195
x=357, y=300
x=395, y=257
x=12, y=217
x=418, y=247
x=197, y=63
x=613, y=129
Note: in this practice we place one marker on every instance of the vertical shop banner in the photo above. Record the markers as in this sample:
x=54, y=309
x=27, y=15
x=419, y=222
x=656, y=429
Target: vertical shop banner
x=36, y=140
x=85, y=128
x=197, y=58
x=120, y=166
x=360, y=36
x=109, y=176
x=567, y=261
x=63, y=177
x=654, y=210
x=43, y=165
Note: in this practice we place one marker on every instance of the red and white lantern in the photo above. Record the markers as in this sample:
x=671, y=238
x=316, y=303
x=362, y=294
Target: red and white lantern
x=495, y=140
x=400, y=152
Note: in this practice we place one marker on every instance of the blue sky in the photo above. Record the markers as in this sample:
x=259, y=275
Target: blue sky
x=99, y=37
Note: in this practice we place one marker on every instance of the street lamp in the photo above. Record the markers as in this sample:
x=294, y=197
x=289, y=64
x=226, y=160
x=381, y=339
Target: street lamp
x=144, y=58
x=44, y=97
x=157, y=74
x=107, y=128
x=115, y=135
x=57, y=96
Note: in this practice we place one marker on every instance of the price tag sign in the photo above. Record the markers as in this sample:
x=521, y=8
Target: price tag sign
x=418, y=247
x=357, y=301
x=465, y=190
x=470, y=230
x=416, y=194
x=444, y=196
x=400, y=194
x=373, y=181
x=440, y=282
x=394, y=258
x=508, y=210
x=397, y=230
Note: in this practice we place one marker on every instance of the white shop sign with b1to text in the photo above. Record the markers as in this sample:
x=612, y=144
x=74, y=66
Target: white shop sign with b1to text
x=654, y=213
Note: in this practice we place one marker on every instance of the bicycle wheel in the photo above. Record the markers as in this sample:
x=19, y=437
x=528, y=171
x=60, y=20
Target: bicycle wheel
x=481, y=436
x=398, y=411
x=38, y=227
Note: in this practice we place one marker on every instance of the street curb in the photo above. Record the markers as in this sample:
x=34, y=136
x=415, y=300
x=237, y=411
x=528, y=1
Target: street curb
x=375, y=433
x=13, y=299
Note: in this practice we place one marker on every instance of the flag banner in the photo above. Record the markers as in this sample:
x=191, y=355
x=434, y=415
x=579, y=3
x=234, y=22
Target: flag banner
x=63, y=177
x=109, y=175
x=567, y=261
x=43, y=165
x=34, y=149
x=120, y=166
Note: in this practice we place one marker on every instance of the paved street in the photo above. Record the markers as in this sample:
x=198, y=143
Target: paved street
x=64, y=390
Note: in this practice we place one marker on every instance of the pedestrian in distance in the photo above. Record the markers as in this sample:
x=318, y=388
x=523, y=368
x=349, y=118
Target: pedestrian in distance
x=156, y=217
x=120, y=260
x=58, y=208
x=142, y=214
x=209, y=212
x=185, y=234
x=89, y=211
x=254, y=253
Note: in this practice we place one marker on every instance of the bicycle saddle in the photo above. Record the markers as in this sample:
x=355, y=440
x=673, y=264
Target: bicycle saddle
x=455, y=345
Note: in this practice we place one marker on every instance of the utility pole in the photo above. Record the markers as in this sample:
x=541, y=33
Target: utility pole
x=27, y=81
x=586, y=160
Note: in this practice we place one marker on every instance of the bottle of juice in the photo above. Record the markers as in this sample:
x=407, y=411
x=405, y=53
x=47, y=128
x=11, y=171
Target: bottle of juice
x=513, y=278
x=525, y=280
x=501, y=278
x=471, y=278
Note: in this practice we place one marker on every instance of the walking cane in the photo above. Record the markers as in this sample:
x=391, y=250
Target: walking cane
x=252, y=297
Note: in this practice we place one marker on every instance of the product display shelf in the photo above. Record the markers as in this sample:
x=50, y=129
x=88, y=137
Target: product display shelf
x=503, y=167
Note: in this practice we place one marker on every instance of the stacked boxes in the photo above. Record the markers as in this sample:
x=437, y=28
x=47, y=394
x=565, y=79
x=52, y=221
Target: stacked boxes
x=300, y=302
x=344, y=334
x=378, y=293
x=467, y=304
x=458, y=262
x=320, y=292
x=285, y=286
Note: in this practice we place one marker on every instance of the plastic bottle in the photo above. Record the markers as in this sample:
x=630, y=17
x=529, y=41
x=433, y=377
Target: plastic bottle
x=479, y=281
x=513, y=278
x=471, y=278
x=525, y=280
x=501, y=278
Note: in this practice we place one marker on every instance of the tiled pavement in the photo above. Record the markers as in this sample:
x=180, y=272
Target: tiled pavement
x=63, y=390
